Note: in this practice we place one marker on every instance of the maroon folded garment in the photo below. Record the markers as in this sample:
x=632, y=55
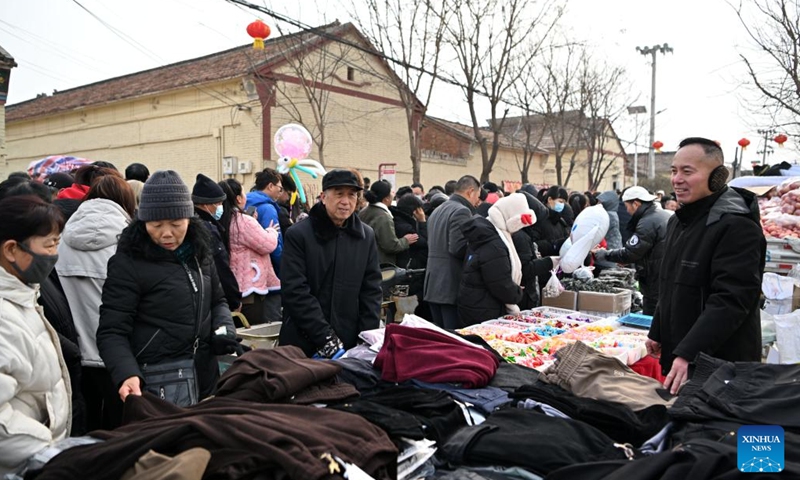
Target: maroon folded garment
x=433, y=357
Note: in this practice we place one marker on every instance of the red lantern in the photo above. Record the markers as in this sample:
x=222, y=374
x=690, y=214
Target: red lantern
x=259, y=31
x=780, y=139
x=744, y=143
x=657, y=145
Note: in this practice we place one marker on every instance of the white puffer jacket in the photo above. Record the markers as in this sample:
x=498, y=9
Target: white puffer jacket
x=88, y=241
x=35, y=396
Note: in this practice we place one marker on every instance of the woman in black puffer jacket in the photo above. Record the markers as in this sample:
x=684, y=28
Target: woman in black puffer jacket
x=534, y=266
x=490, y=284
x=162, y=299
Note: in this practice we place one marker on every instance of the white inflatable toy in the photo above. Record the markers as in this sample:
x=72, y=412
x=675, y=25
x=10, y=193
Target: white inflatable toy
x=589, y=229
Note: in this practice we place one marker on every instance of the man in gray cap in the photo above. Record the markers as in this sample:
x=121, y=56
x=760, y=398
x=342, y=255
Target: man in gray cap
x=207, y=197
x=330, y=278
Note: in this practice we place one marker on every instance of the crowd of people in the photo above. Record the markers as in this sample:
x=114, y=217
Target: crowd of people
x=138, y=275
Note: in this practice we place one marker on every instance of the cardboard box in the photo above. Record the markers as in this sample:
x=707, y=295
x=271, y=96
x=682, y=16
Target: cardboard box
x=607, y=303
x=567, y=300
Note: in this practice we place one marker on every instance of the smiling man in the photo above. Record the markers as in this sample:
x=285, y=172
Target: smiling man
x=330, y=280
x=710, y=279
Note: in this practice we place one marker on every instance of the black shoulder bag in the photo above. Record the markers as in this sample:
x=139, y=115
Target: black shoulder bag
x=176, y=380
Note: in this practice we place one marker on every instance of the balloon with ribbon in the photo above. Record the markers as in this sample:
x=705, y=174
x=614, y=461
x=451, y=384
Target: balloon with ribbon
x=293, y=144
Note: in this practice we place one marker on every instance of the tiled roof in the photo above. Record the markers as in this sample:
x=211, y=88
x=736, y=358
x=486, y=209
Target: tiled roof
x=570, y=120
x=6, y=58
x=224, y=65
x=506, y=141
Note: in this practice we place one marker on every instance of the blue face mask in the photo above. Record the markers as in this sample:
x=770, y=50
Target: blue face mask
x=218, y=213
x=559, y=207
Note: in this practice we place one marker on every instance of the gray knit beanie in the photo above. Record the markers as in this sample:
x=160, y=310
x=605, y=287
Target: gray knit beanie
x=165, y=197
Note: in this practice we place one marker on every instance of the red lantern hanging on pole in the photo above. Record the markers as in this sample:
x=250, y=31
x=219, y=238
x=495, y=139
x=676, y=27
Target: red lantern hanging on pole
x=657, y=145
x=744, y=143
x=780, y=139
x=259, y=31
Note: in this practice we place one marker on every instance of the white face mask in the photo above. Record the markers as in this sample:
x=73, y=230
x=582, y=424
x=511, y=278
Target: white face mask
x=218, y=212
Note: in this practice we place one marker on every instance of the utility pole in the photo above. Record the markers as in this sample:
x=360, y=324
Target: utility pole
x=652, y=51
x=768, y=133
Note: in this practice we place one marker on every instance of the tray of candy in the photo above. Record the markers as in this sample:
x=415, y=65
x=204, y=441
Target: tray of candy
x=527, y=355
x=552, y=322
x=508, y=324
x=536, y=314
x=581, y=334
x=581, y=317
x=551, y=311
x=490, y=332
x=487, y=332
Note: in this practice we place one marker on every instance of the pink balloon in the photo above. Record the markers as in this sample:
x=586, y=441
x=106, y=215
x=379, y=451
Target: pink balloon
x=293, y=141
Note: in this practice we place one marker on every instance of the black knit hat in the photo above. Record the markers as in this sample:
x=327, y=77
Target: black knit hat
x=206, y=191
x=165, y=197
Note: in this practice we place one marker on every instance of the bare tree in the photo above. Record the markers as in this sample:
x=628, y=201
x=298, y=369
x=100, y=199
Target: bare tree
x=410, y=31
x=487, y=38
x=315, y=63
x=525, y=130
x=561, y=109
x=605, y=98
x=775, y=68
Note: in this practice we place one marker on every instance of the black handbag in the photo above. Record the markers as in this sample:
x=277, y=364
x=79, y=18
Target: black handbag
x=176, y=380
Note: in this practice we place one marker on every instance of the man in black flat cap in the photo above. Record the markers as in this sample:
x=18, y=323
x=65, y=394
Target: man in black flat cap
x=208, y=197
x=330, y=278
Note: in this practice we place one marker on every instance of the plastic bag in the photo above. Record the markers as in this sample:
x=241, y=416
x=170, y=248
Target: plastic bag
x=583, y=273
x=588, y=230
x=767, y=328
x=787, y=332
x=553, y=287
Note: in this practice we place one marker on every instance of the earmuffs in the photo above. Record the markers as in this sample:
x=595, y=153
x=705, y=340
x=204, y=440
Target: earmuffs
x=718, y=178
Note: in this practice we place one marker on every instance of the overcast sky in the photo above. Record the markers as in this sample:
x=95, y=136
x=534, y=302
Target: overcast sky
x=701, y=87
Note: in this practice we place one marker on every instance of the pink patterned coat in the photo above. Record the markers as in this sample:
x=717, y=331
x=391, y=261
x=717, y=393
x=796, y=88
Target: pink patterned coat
x=250, y=248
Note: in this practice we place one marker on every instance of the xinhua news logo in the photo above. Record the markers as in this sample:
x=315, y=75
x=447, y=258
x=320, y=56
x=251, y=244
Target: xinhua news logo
x=760, y=448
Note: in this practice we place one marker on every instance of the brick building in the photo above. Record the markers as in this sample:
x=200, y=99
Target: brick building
x=218, y=114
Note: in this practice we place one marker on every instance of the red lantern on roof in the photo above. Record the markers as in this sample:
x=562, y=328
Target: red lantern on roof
x=780, y=139
x=259, y=31
x=744, y=143
x=657, y=145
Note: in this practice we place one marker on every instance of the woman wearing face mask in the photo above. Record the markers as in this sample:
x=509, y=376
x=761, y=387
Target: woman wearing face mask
x=250, y=246
x=162, y=299
x=208, y=200
x=35, y=408
x=551, y=233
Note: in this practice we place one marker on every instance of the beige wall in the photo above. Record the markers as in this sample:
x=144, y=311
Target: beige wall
x=187, y=131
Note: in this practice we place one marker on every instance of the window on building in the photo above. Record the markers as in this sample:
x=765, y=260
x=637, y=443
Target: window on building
x=351, y=74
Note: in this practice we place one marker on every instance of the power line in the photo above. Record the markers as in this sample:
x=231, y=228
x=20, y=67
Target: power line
x=51, y=47
x=305, y=28
x=219, y=96
x=322, y=33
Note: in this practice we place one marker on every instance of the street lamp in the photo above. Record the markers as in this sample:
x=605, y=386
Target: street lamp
x=652, y=51
x=635, y=111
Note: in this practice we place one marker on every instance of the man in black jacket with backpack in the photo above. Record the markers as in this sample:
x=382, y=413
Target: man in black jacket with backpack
x=710, y=279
